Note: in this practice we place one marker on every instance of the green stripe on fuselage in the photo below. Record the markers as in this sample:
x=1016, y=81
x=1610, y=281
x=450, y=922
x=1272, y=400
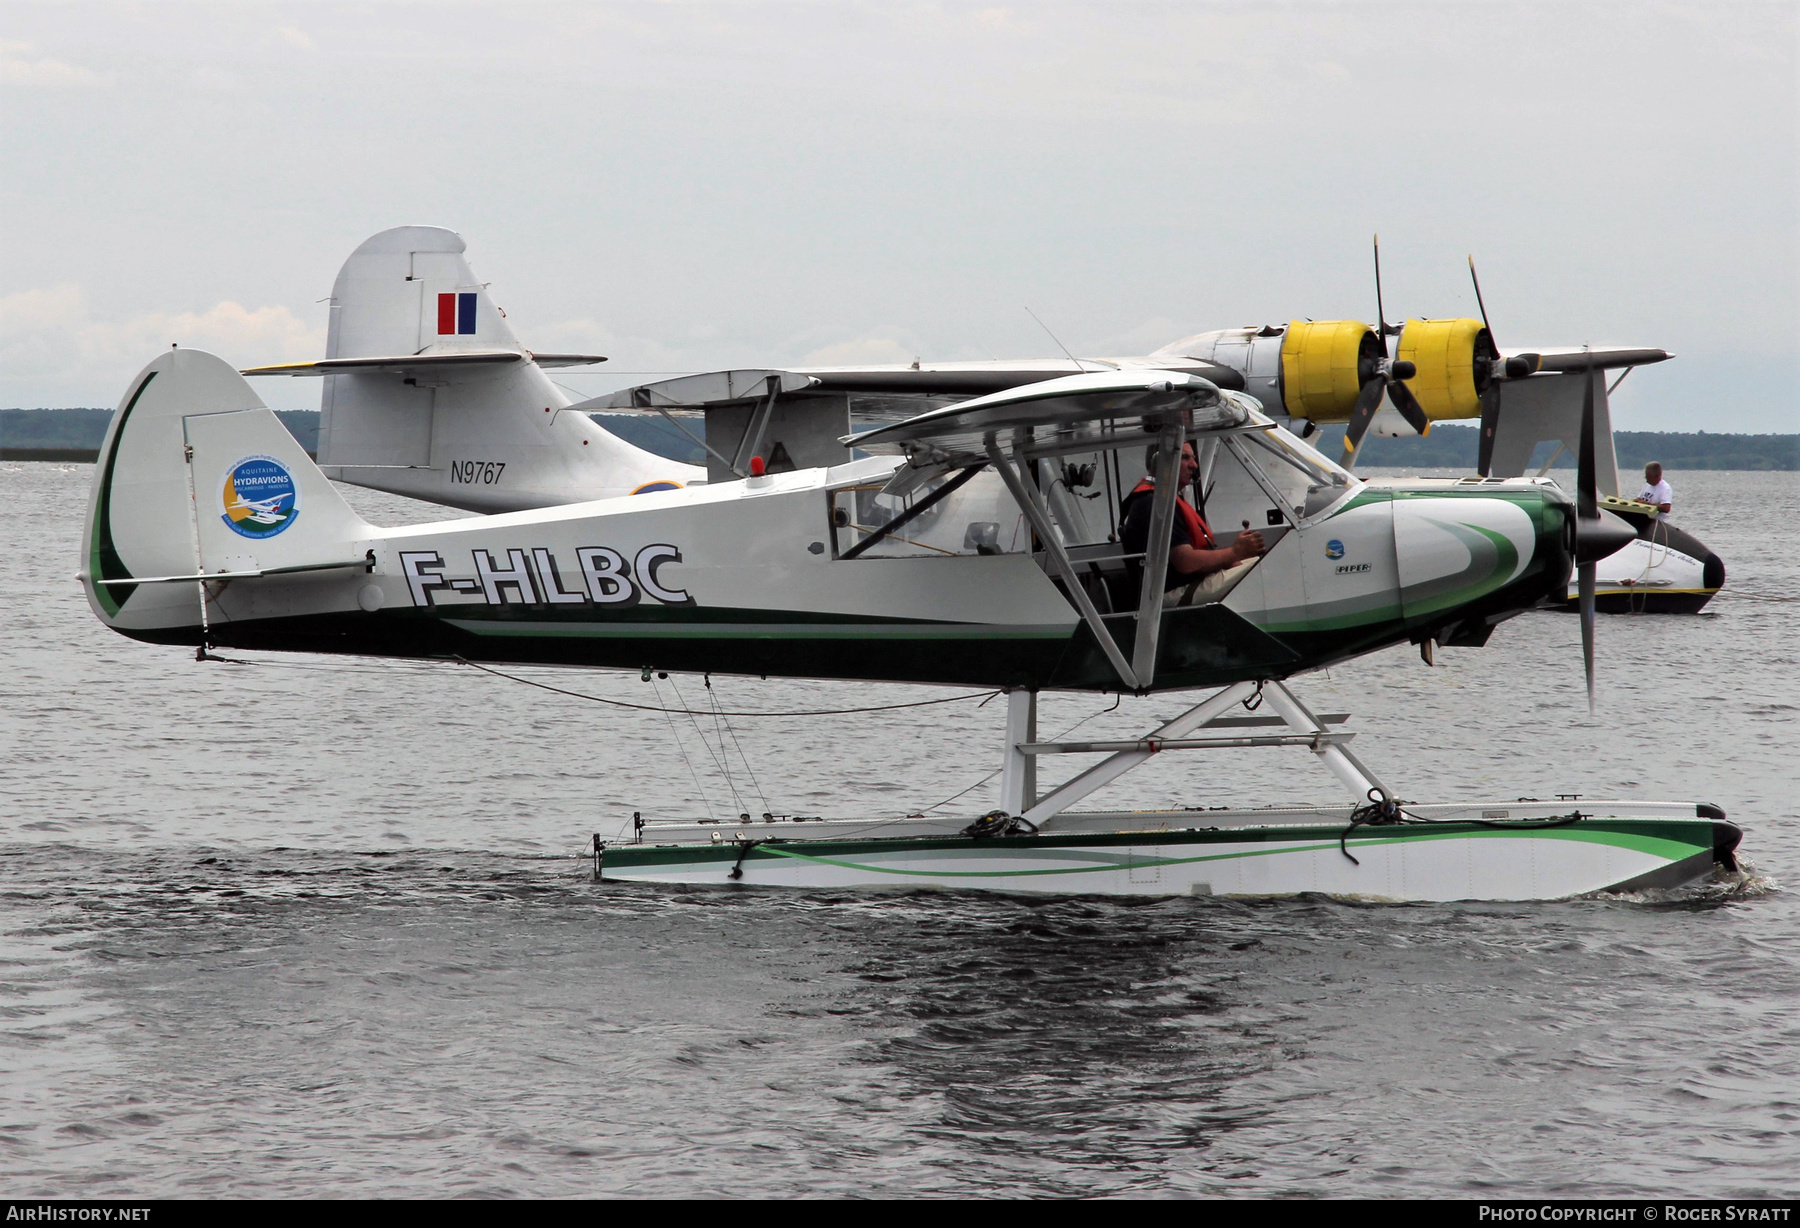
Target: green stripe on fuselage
x=104, y=562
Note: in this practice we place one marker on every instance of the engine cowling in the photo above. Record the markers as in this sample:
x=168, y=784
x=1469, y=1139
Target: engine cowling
x=1455, y=360
x=1324, y=364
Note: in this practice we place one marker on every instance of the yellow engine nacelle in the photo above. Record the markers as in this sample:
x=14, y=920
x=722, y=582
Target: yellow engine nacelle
x=1315, y=369
x=1324, y=364
x=1455, y=359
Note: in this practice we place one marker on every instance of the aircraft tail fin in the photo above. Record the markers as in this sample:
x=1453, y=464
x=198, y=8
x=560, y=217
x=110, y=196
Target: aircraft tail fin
x=1547, y=408
x=429, y=394
x=198, y=477
x=409, y=291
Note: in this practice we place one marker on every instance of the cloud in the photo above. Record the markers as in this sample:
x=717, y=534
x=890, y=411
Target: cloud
x=17, y=68
x=858, y=351
x=293, y=36
x=49, y=334
x=1001, y=19
x=1146, y=338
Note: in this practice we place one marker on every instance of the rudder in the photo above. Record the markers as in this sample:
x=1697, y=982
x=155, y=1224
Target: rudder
x=197, y=476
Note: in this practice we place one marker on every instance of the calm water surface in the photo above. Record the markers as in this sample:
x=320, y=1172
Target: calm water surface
x=321, y=927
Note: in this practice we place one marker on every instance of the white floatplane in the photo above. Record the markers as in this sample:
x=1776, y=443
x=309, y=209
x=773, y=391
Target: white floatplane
x=826, y=572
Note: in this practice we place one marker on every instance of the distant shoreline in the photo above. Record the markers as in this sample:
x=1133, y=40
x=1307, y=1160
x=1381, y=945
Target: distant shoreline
x=73, y=436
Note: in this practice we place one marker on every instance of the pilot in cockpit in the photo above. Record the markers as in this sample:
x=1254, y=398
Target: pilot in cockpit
x=1199, y=569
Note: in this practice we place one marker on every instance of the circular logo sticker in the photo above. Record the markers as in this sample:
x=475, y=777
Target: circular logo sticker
x=260, y=498
x=1334, y=549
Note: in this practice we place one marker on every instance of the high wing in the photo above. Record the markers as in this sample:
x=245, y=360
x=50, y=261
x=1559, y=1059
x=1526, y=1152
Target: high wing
x=1136, y=400
x=796, y=417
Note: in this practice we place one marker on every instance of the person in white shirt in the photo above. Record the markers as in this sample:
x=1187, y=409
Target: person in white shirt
x=1656, y=490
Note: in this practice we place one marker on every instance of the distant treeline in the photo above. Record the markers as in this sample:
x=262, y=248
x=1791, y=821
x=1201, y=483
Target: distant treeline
x=1456, y=447
x=76, y=434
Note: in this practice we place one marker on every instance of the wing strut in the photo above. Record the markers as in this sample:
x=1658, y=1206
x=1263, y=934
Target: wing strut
x=1156, y=553
x=676, y=423
x=751, y=444
x=1025, y=496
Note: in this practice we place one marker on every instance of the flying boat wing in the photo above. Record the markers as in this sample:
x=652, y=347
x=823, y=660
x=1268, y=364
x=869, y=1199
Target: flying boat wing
x=945, y=380
x=421, y=364
x=700, y=391
x=971, y=379
x=1561, y=359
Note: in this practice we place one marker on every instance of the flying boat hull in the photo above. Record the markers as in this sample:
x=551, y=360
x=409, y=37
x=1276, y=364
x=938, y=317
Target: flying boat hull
x=1665, y=571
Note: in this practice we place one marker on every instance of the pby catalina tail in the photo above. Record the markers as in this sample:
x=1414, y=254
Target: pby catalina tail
x=199, y=484
x=429, y=394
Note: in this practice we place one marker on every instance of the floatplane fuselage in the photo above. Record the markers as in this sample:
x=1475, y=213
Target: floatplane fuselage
x=751, y=577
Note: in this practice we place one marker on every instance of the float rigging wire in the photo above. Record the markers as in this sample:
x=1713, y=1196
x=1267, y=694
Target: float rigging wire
x=619, y=703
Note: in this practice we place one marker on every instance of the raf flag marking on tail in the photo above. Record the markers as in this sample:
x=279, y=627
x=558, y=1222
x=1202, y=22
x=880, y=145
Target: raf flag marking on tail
x=456, y=315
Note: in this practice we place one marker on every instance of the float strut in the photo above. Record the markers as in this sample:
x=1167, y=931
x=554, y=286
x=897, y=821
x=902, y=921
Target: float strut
x=1018, y=774
x=1336, y=758
x=1114, y=766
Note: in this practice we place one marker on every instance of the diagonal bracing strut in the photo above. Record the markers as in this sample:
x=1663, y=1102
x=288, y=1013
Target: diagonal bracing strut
x=1310, y=731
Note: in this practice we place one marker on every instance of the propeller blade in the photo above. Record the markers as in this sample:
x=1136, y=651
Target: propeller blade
x=1367, y=402
x=1409, y=407
x=1586, y=575
x=1586, y=495
x=1587, y=500
x=1490, y=423
x=1483, y=306
x=1380, y=316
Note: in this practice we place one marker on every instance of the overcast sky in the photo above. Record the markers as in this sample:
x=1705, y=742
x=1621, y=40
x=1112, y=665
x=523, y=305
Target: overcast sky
x=690, y=186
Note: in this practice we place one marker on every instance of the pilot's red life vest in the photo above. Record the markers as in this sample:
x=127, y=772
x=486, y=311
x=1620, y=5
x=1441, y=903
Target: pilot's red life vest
x=1198, y=532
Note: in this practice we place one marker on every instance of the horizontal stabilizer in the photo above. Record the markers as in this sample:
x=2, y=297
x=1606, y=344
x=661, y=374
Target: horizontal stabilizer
x=418, y=364
x=252, y=574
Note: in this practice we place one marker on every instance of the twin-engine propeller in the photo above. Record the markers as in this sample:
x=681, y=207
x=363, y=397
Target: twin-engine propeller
x=1343, y=371
x=1383, y=377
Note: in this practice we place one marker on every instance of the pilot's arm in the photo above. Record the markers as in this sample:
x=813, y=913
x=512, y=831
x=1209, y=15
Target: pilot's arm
x=1192, y=560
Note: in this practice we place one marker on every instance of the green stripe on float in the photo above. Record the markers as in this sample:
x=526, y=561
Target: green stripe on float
x=1654, y=846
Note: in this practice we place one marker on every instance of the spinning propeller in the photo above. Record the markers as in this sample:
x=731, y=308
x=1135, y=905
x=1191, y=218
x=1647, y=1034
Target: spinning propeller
x=1597, y=533
x=1381, y=377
